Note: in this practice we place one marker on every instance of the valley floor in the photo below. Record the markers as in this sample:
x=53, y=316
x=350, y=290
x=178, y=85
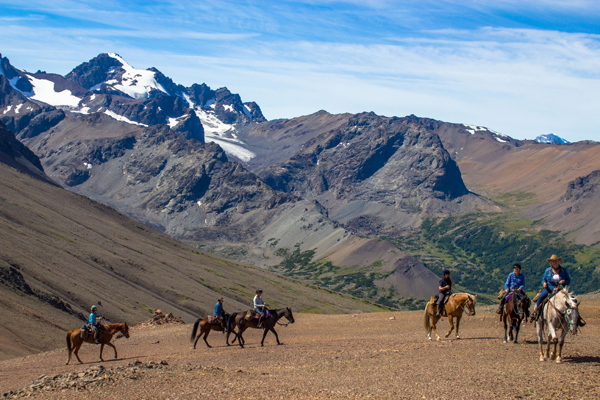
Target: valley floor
x=377, y=355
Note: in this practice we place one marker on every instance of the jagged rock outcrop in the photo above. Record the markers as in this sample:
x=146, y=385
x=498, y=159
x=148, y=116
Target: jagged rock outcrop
x=19, y=156
x=94, y=72
x=382, y=159
x=582, y=188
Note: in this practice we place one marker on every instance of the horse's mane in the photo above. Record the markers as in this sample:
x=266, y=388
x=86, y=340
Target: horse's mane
x=570, y=296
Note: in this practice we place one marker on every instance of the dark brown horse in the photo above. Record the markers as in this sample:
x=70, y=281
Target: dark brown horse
x=206, y=327
x=74, y=339
x=516, y=309
x=268, y=323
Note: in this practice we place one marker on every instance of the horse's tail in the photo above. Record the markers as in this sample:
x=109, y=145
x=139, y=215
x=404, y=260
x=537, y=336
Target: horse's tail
x=69, y=347
x=426, y=320
x=195, y=329
x=230, y=321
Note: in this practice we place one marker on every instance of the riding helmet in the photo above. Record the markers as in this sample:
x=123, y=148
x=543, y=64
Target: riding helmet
x=258, y=291
x=94, y=308
x=446, y=272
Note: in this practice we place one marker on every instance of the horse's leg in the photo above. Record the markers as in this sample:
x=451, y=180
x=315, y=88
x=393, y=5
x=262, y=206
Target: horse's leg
x=504, y=318
x=77, y=346
x=101, y=348
x=457, y=325
x=197, y=338
x=552, y=334
x=434, y=321
x=114, y=348
x=560, y=346
x=69, y=346
x=450, y=319
x=539, y=326
x=517, y=328
x=240, y=338
x=205, y=336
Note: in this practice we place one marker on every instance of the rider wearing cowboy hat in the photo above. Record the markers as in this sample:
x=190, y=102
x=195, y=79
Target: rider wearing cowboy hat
x=514, y=282
x=219, y=313
x=554, y=276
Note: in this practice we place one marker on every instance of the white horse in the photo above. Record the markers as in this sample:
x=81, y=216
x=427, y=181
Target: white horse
x=560, y=312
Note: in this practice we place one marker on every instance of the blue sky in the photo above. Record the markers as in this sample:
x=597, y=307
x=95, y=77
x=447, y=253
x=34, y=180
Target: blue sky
x=519, y=68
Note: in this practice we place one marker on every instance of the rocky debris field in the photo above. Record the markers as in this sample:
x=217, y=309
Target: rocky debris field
x=377, y=355
x=160, y=319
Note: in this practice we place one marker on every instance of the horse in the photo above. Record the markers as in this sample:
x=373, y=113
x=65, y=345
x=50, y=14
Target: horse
x=205, y=328
x=516, y=309
x=560, y=312
x=454, y=308
x=74, y=339
x=268, y=324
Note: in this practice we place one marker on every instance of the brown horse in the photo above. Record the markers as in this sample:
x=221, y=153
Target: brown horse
x=74, y=339
x=268, y=324
x=206, y=327
x=454, y=308
x=516, y=309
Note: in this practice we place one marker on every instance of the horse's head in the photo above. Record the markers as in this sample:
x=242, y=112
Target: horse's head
x=124, y=329
x=288, y=315
x=470, y=303
x=571, y=309
x=523, y=305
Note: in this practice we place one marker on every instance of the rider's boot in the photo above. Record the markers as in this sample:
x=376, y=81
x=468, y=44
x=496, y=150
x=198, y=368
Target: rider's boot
x=534, y=316
x=96, y=337
x=499, y=310
x=260, y=318
x=439, y=310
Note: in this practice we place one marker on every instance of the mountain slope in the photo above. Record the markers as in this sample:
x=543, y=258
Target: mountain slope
x=61, y=252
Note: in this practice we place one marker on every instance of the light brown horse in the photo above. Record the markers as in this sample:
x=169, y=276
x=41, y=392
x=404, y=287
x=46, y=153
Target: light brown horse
x=74, y=339
x=454, y=309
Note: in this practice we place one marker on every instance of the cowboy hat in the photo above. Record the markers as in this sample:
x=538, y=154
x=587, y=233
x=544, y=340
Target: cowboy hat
x=220, y=299
x=554, y=258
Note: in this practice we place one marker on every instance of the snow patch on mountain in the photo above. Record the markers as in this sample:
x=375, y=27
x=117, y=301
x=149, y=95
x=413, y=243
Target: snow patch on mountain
x=551, y=139
x=136, y=83
x=43, y=90
x=121, y=118
x=224, y=135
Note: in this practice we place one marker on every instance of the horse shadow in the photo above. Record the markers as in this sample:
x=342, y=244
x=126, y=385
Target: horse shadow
x=582, y=359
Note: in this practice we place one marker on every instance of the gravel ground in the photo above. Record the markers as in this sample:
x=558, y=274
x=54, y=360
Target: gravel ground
x=378, y=355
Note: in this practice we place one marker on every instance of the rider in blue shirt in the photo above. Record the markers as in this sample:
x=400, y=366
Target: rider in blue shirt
x=220, y=313
x=514, y=282
x=94, y=321
x=554, y=276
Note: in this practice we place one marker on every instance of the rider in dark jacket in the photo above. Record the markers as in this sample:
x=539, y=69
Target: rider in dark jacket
x=445, y=289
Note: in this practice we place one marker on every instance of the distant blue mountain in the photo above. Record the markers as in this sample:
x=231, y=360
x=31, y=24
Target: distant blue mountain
x=551, y=139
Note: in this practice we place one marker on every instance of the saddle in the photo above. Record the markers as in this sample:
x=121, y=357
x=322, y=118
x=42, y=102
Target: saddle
x=434, y=300
x=212, y=319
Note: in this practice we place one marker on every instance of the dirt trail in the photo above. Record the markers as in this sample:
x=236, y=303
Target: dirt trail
x=379, y=355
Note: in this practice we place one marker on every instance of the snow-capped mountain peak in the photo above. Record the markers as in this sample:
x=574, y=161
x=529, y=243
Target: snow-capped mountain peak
x=550, y=139
x=136, y=83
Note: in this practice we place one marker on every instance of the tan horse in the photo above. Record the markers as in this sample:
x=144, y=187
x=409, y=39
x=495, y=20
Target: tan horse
x=454, y=308
x=74, y=339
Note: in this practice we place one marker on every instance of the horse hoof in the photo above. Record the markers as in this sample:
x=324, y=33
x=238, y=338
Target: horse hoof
x=438, y=339
x=558, y=360
x=515, y=342
x=542, y=359
x=458, y=338
x=504, y=341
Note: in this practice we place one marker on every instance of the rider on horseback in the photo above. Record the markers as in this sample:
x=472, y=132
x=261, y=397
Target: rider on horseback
x=260, y=307
x=219, y=313
x=554, y=276
x=514, y=283
x=95, y=323
x=445, y=289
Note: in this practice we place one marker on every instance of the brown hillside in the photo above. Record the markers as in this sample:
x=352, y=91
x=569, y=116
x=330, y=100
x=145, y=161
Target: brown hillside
x=61, y=252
